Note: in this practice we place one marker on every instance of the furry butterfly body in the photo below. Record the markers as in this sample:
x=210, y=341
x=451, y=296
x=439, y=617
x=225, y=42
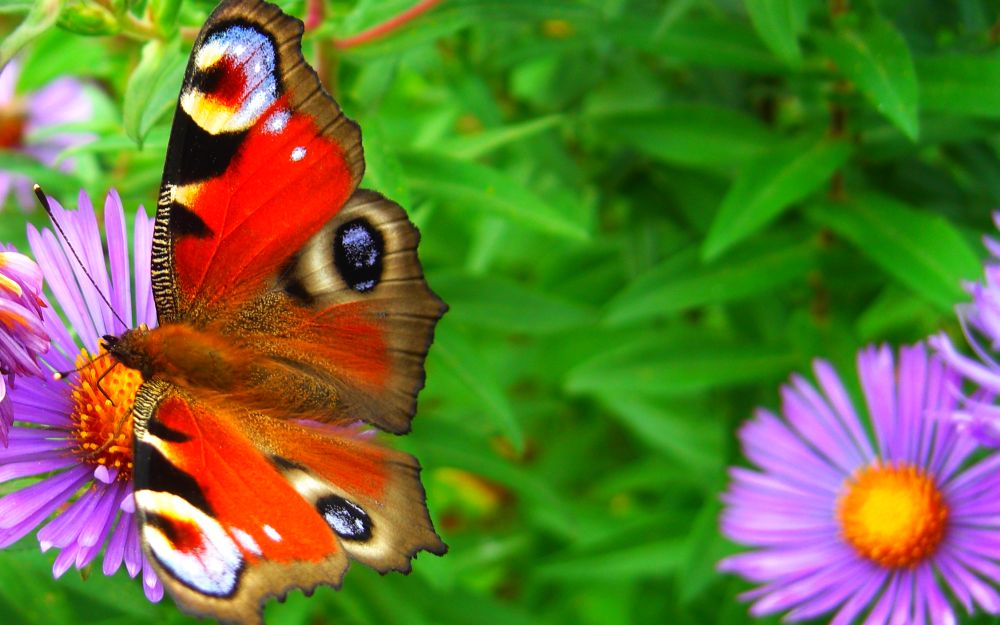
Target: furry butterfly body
x=291, y=308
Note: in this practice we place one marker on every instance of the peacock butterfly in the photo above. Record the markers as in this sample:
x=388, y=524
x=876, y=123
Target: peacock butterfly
x=291, y=308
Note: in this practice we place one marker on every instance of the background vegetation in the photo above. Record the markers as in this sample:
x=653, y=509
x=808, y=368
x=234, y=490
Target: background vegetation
x=644, y=216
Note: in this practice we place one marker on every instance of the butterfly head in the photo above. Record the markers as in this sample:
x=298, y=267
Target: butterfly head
x=130, y=349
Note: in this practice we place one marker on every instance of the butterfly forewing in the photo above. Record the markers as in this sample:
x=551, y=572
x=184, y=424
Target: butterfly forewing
x=260, y=157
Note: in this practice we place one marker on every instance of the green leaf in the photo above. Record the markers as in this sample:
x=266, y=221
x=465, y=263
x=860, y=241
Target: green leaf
x=506, y=306
x=877, y=60
x=669, y=369
x=53, y=181
x=492, y=139
x=40, y=18
x=769, y=185
x=468, y=367
x=682, y=282
x=15, y=6
x=703, y=136
x=674, y=432
x=707, y=42
x=705, y=547
x=383, y=171
x=655, y=559
x=779, y=24
x=471, y=186
x=921, y=250
x=164, y=13
x=960, y=84
x=152, y=88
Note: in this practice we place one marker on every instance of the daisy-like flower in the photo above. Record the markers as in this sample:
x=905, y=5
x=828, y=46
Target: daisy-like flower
x=26, y=124
x=980, y=321
x=880, y=521
x=22, y=335
x=74, y=434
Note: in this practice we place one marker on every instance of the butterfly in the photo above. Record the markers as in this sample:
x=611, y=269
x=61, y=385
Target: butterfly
x=292, y=308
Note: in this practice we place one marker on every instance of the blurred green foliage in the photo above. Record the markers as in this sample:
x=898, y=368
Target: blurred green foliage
x=643, y=214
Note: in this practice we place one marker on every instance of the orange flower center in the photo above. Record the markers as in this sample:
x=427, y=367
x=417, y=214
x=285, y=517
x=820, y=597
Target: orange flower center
x=102, y=413
x=893, y=515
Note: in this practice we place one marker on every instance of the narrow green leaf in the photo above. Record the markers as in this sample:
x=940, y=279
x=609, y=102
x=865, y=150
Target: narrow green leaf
x=779, y=23
x=922, y=251
x=117, y=143
x=691, y=442
x=960, y=84
x=655, y=559
x=152, y=88
x=15, y=6
x=705, y=547
x=41, y=17
x=52, y=180
x=506, y=306
x=164, y=14
x=896, y=310
x=877, y=60
x=468, y=367
x=769, y=185
x=492, y=139
x=712, y=42
x=655, y=368
x=383, y=171
x=702, y=136
x=682, y=282
x=472, y=186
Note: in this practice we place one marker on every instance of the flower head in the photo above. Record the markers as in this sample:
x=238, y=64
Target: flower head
x=981, y=324
x=28, y=124
x=22, y=335
x=844, y=518
x=74, y=434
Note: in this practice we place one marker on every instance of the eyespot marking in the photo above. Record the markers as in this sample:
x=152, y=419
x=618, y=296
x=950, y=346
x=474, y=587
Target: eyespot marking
x=234, y=79
x=190, y=544
x=358, y=248
x=346, y=518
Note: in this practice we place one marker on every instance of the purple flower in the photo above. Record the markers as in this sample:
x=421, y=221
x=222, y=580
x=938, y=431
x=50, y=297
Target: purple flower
x=22, y=336
x=880, y=516
x=28, y=125
x=981, y=324
x=75, y=433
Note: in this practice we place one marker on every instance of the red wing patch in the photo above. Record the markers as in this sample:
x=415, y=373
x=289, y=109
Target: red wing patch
x=260, y=157
x=284, y=182
x=234, y=507
x=213, y=504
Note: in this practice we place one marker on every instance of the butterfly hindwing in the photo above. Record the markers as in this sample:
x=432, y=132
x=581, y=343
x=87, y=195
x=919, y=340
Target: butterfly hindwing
x=254, y=134
x=234, y=508
x=353, y=312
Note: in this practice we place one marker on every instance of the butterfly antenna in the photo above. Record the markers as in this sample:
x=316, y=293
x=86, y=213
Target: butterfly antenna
x=101, y=378
x=59, y=375
x=44, y=200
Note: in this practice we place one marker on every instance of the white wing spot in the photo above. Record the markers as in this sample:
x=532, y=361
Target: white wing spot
x=277, y=121
x=246, y=541
x=298, y=153
x=272, y=533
